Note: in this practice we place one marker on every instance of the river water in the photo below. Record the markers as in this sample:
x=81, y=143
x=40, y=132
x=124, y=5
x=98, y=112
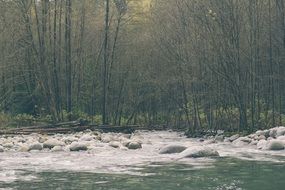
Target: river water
x=104, y=167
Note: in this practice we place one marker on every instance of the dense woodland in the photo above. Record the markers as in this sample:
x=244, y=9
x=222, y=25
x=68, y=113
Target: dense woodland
x=181, y=63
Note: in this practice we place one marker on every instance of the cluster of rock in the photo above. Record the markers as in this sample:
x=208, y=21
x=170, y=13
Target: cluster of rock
x=72, y=142
x=189, y=152
x=270, y=139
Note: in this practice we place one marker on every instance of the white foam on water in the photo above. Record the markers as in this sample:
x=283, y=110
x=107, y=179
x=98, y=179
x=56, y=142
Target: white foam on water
x=105, y=159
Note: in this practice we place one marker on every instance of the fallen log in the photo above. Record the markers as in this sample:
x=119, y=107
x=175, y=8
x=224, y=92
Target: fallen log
x=69, y=127
x=75, y=126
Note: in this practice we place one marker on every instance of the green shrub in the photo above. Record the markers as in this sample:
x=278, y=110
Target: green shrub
x=24, y=120
x=96, y=119
x=5, y=119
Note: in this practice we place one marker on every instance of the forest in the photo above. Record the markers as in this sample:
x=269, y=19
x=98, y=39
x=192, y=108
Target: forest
x=203, y=64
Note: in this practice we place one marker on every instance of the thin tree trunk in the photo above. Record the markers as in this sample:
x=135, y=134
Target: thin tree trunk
x=105, y=65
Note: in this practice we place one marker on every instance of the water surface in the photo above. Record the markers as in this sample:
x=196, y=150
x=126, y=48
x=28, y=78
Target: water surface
x=104, y=167
x=225, y=174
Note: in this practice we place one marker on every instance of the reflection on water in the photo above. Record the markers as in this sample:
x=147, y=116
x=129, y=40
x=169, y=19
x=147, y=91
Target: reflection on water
x=226, y=174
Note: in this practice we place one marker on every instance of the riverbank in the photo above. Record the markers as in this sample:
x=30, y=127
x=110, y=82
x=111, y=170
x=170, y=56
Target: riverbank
x=270, y=139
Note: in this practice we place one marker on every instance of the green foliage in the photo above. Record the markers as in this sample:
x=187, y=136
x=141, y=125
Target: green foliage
x=97, y=119
x=24, y=120
x=45, y=118
x=4, y=120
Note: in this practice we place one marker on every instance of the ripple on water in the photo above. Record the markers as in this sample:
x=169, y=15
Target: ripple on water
x=9, y=176
x=105, y=159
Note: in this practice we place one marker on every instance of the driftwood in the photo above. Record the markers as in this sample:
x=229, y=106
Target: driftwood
x=75, y=126
x=50, y=128
x=68, y=127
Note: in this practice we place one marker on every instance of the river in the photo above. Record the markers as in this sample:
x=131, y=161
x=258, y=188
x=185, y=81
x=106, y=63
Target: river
x=104, y=167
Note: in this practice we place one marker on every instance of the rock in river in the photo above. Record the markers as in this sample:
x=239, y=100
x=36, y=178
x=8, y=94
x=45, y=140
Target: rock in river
x=52, y=143
x=76, y=146
x=261, y=144
x=1, y=149
x=264, y=133
x=219, y=138
x=242, y=141
x=114, y=144
x=234, y=137
x=275, y=145
x=134, y=145
x=106, y=138
x=35, y=146
x=23, y=148
x=57, y=149
x=198, y=152
x=171, y=149
x=86, y=137
x=280, y=131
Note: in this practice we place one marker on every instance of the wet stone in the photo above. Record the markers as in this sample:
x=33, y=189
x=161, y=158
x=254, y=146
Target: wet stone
x=171, y=149
x=52, y=143
x=76, y=146
x=35, y=146
x=134, y=145
x=275, y=145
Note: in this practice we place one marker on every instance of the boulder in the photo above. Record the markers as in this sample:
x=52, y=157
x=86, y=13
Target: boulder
x=114, y=144
x=97, y=135
x=273, y=132
x=275, y=145
x=20, y=139
x=57, y=149
x=242, y=141
x=198, y=152
x=35, y=146
x=219, y=138
x=69, y=140
x=137, y=138
x=42, y=139
x=252, y=136
x=263, y=133
x=171, y=149
x=227, y=139
x=52, y=143
x=125, y=142
x=106, y=138
x=254, y=142
x=220, y=132
x=134, y=145
x=260, y=137
x=1, y=149
x=260, y=132
x=261, y=144
x=280, y=131
x=234, y=137
x=86, y=138
x=8, y=145
x=127, y=136
x=124, y=148
x=76, y=146
x=245, y=139
x=24, y=148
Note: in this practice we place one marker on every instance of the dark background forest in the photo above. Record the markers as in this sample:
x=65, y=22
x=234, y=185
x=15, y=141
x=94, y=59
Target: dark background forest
x=215, y=64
